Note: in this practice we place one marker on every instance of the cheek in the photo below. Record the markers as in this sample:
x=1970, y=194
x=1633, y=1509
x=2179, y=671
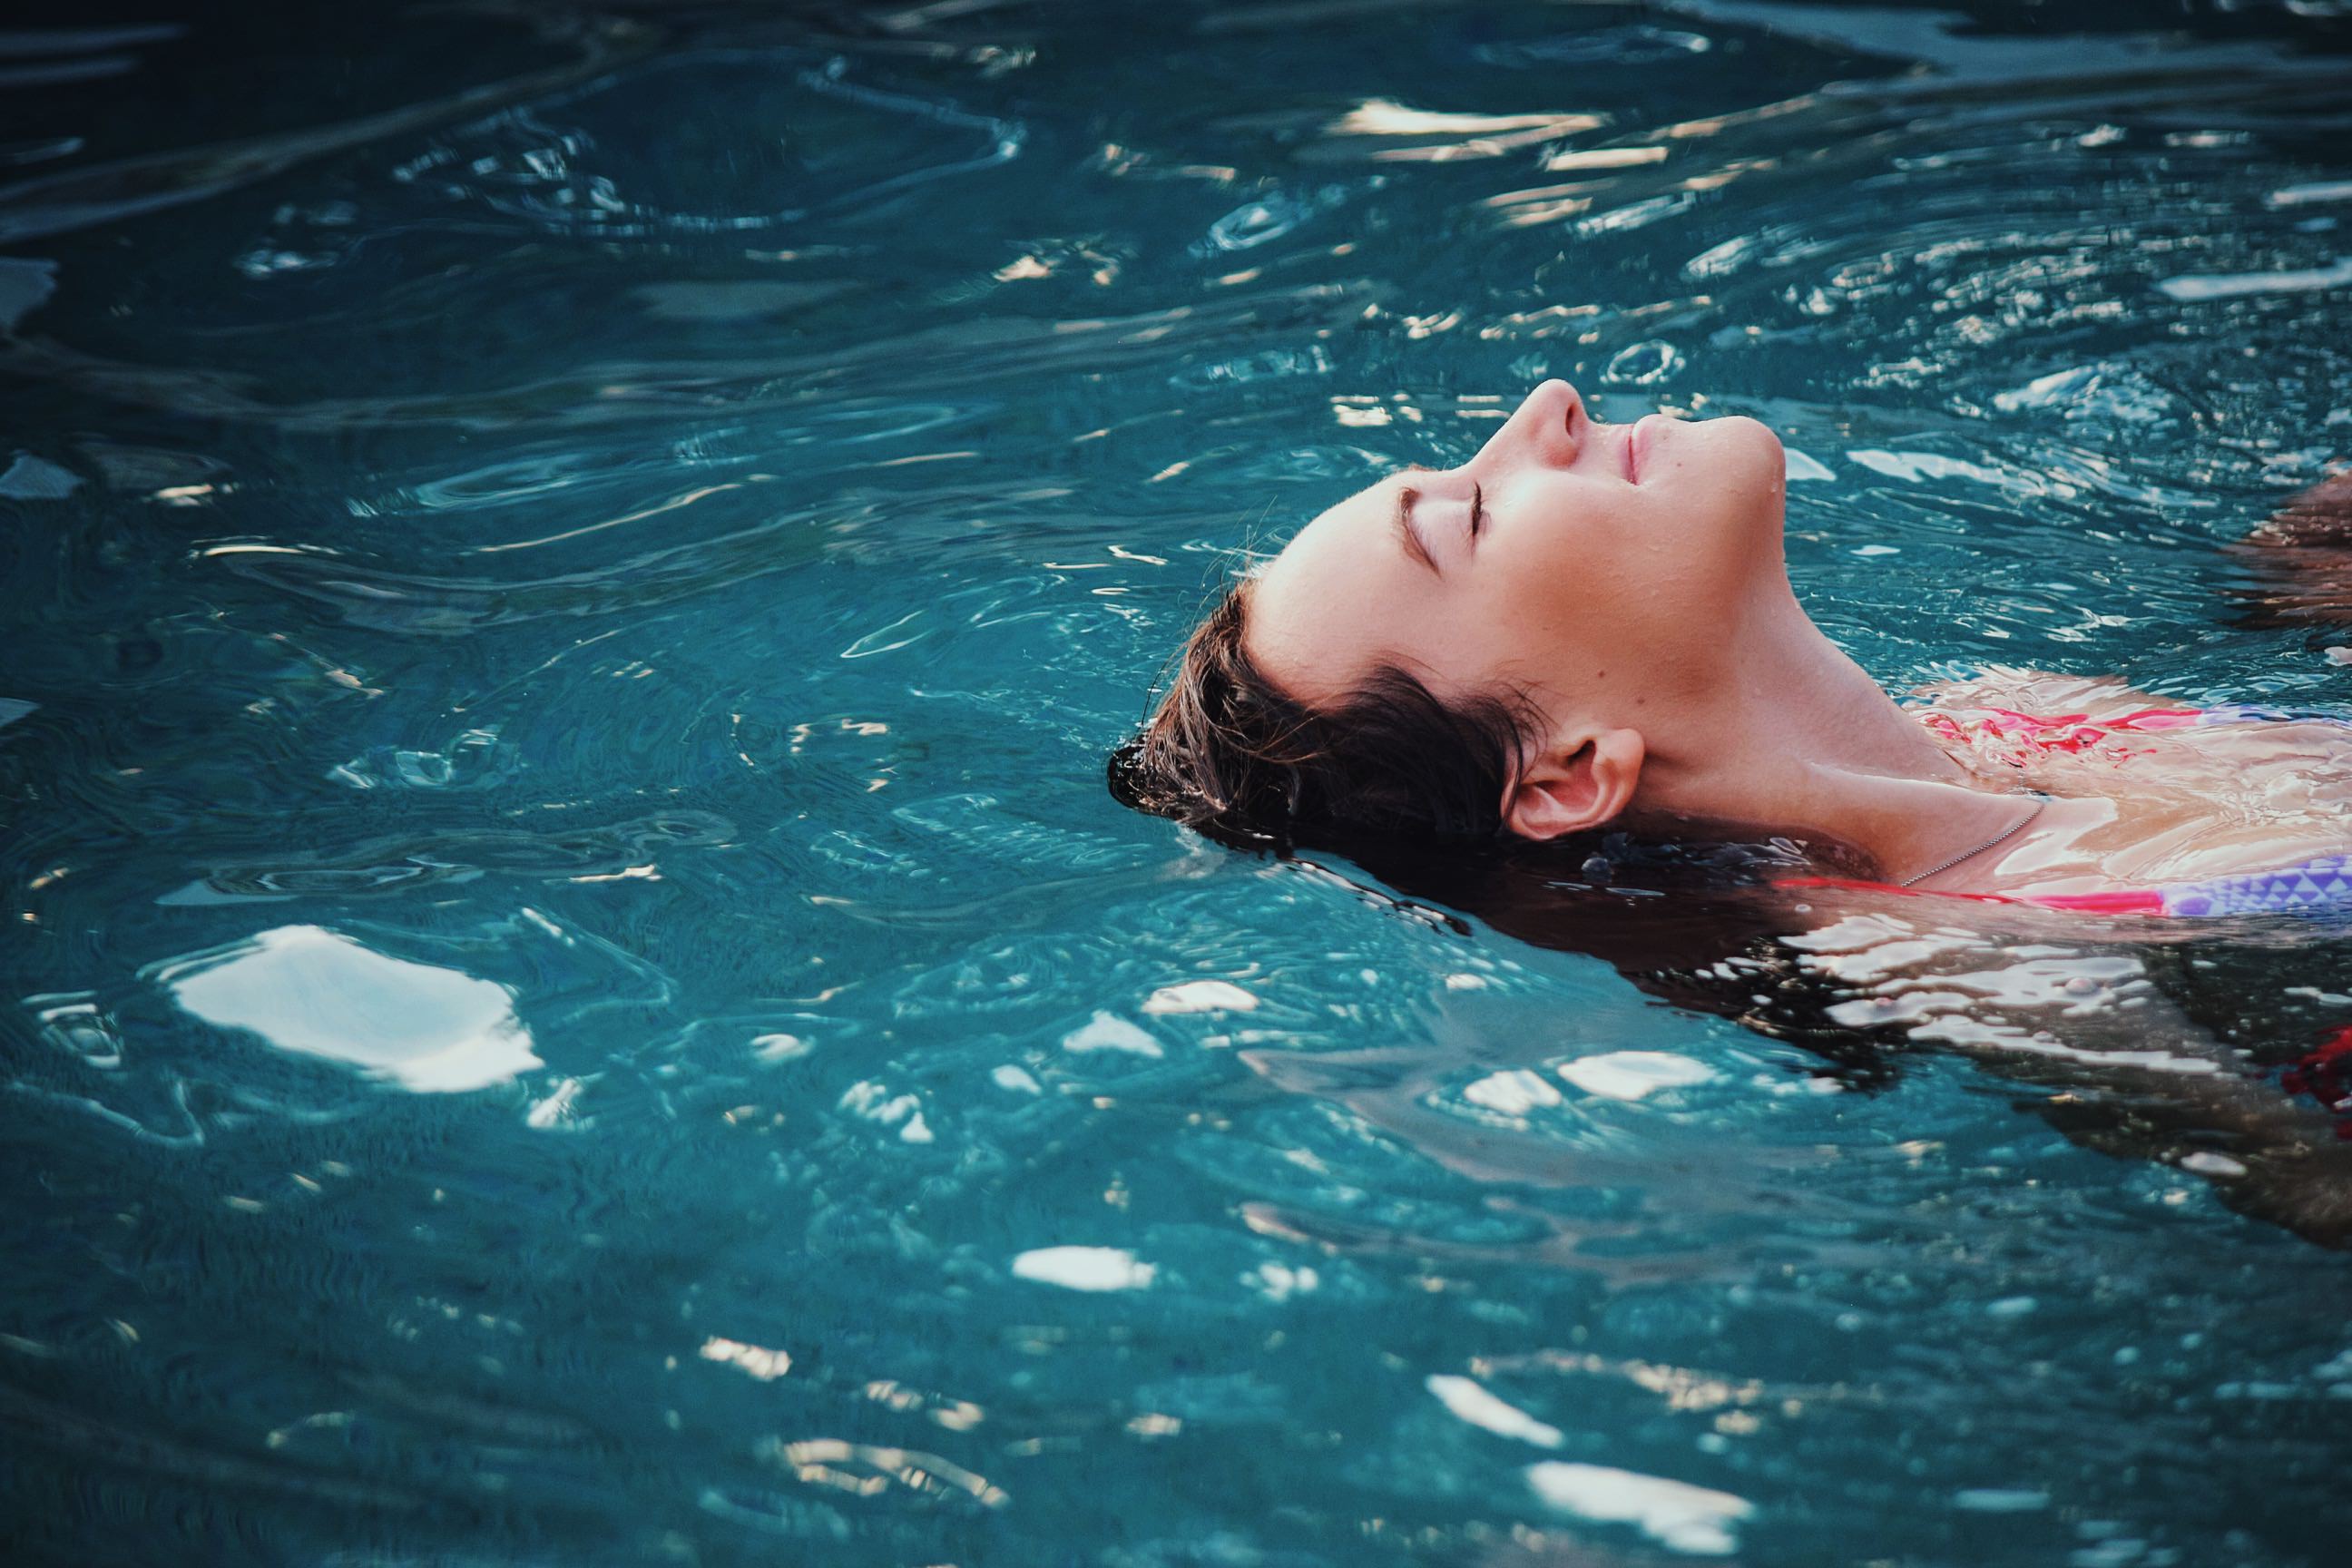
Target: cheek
x=1631, y=598
x=1458, y=643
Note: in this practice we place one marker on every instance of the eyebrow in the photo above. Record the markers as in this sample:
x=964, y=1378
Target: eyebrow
x=1406, y=496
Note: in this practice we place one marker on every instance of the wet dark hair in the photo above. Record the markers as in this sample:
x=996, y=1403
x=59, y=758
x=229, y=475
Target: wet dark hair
x=1394, y=777
x=1231, y=754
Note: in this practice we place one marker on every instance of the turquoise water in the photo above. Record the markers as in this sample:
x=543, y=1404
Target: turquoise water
x=574, y=992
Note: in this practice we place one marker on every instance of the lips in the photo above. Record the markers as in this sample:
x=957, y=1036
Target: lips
x=1638, y=442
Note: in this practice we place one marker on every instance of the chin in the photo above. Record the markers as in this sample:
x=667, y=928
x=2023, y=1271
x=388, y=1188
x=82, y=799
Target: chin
x=1750, y=434
x=1745, y=450
x=1747, y=471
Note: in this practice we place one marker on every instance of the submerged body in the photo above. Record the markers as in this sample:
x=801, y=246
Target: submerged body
x=2165, y=807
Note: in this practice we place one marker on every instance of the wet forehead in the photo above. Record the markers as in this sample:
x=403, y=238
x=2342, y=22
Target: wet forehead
x=1317, y=609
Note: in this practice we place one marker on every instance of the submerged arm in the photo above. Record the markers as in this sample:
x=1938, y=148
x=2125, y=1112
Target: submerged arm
x=2135, y=1075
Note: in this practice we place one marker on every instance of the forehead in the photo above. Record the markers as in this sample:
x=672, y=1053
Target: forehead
x=1315, y=609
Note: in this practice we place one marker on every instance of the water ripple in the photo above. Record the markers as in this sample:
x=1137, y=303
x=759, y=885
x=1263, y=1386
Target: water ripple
x=575, y=989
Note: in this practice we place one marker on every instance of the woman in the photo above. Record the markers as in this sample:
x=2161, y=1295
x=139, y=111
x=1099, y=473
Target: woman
x=1574, y=665
x=1591, y=626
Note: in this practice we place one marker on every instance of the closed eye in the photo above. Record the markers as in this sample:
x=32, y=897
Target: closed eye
x=1413, y=547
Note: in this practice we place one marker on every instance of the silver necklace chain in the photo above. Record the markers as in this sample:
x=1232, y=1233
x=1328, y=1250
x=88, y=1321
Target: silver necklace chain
x=2011, y=831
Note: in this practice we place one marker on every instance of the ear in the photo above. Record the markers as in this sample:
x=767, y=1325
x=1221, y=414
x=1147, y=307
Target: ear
x=1580, y=785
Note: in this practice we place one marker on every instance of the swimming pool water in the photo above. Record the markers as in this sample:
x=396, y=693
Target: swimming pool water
x=572, y=991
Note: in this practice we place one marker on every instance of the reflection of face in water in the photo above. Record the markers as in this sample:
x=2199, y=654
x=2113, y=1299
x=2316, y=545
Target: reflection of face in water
x=2167, y=1049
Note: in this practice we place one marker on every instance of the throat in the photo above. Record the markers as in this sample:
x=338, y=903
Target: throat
x=1800, y=740
x=1799, y=697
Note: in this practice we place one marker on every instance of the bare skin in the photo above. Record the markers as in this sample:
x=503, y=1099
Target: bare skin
x=1631, y=580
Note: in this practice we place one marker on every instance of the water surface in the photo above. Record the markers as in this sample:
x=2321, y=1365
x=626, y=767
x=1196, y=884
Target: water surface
x=574, y=993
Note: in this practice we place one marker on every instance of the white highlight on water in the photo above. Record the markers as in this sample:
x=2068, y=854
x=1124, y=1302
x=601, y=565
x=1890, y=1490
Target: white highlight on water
x=1916, y=466
x=1513, y=1093
x=765, y=1364
x=1633, y=1074
x=2304, y=196
x=1676, y=1515
x=1200, y=996
x=875, y=1103
x=1105, y=1031
x=1277, y=1282
x=1470, y=1401
x=2191, y=287
x=780, y=1048
x=318, y=993
x=1803, y=467
x=1084, y=1267
x=555, y=1108
x=1017, y=1079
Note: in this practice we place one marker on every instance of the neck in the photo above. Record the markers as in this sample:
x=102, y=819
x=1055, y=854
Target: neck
x=1801, y=741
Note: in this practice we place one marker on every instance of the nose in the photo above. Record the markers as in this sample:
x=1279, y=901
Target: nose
x=1548, y=427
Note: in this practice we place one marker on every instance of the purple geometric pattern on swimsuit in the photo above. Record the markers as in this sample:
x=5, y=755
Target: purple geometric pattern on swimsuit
x=2319, y=886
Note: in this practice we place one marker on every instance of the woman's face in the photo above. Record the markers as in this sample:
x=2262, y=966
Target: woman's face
x=1592, y=563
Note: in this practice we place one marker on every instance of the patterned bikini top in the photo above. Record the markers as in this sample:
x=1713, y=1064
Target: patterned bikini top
x=2320, y=886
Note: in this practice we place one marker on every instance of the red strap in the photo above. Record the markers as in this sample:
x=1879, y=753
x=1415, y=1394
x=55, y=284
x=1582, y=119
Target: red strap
x=2133, y=902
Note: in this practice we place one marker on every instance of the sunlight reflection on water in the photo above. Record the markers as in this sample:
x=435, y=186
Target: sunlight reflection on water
x=575, y=987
